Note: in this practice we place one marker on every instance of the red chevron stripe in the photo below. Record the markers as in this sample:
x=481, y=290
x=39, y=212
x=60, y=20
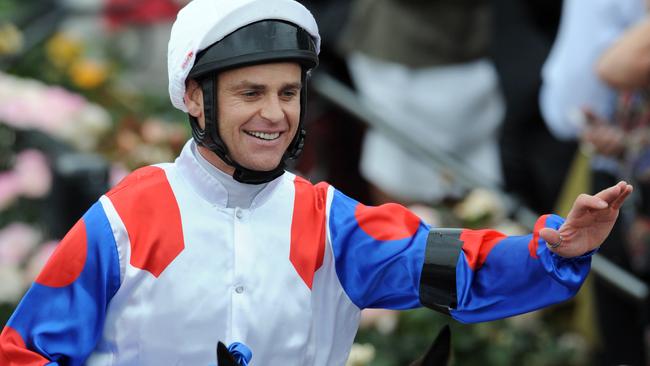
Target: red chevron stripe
x=308, y=228
x=148, y=208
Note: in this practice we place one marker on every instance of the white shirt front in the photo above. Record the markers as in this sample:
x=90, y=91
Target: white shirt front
x=232, y=282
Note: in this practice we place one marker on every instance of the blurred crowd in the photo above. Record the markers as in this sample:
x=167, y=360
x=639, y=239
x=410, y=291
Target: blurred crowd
x=538, y=97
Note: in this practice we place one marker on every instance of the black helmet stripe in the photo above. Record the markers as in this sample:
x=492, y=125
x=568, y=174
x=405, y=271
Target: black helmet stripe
x=259, y=42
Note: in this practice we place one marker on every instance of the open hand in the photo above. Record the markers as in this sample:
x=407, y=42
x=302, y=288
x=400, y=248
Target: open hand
x=588, y=223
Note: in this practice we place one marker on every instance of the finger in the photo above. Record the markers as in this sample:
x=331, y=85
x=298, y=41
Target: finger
x=585, y=202
x=551, y=236
x=618, y=202
x=610, y=194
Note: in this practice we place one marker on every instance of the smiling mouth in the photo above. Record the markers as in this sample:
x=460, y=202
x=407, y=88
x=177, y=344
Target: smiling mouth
x=264, y=135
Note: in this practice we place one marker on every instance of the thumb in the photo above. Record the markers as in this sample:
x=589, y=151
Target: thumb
x=551, y=236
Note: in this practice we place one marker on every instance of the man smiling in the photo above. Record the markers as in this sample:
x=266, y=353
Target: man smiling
x=259, y=110
x=224, y=245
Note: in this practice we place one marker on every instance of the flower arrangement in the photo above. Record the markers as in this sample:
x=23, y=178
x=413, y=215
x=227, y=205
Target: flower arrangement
x=63, y=91
x=30, y=104
x=29, y=177
x=22, y=255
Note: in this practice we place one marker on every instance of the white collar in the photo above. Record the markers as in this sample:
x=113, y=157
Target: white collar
x=215, y=186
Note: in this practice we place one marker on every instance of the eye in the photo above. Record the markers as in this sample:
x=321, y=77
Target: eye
x=250, y=93
x=289, y=93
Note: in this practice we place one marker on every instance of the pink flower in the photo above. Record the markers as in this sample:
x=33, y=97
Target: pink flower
x=33, y=173
x=58, y=108
x=9, y=189
x=17, y=240
x=31, y=104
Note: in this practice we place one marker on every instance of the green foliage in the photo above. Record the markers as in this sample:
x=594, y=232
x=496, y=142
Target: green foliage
x=542, y=340
x=7, y=10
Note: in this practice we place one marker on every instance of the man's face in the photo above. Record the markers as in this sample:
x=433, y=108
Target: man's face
x=259, y=111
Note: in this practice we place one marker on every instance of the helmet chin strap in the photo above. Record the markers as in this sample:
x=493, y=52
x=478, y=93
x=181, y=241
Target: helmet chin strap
x=210, y=138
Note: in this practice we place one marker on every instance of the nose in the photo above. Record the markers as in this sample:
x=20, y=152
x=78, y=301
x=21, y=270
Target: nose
x=272, y=109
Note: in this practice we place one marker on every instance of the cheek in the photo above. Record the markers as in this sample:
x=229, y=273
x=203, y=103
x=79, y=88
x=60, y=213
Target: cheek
x=293, y=115
x=232, y=117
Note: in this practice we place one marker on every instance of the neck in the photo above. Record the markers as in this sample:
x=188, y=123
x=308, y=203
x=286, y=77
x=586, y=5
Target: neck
x=239, y=194
x=215, y=160
x=239, y=173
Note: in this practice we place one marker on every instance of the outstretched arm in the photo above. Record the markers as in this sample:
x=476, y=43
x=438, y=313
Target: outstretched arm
x=385, y=257
x=499, y=276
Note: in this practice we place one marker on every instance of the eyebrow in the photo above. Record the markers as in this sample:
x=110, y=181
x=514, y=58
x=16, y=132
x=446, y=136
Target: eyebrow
x=255, y=86
x=296, y=85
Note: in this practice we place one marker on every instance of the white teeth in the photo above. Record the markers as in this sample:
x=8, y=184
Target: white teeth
x=264, y=135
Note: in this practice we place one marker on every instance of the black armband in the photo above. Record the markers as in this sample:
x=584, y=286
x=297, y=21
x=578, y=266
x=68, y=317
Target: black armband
x=438, y=279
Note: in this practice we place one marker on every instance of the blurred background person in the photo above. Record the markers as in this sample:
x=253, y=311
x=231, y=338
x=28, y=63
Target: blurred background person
x=423, y=66
x=577, y=103
x=534, y=162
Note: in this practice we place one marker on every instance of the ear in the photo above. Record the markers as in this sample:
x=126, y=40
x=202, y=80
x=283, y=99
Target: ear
x=193, y=98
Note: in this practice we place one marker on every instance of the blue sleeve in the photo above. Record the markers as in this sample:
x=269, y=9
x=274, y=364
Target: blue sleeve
x=499, y=276
x=378, y=252
x=385, y=257
x=61, y=318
